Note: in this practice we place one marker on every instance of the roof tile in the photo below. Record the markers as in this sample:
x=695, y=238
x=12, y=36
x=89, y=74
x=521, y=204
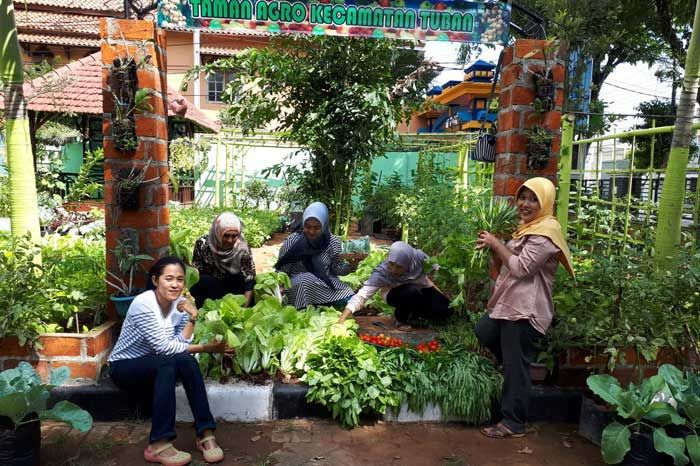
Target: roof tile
x=77, y=87
x=57, y=22
x=116, y=6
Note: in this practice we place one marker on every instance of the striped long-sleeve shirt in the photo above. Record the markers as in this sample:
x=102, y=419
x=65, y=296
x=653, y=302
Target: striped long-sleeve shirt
x=145, y=331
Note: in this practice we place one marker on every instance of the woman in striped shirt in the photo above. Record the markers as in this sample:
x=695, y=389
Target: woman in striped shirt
x=312, y=260
x=154, y=350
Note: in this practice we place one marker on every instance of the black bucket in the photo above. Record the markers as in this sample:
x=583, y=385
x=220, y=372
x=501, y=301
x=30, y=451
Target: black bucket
x=20, y=446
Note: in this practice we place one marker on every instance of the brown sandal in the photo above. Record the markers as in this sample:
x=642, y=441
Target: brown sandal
x=500, y=431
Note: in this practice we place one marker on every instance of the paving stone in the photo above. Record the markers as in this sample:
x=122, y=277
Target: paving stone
x=300, y=434
x=55, y=434
x=281, y=435
x=139, y=434
x=119, y=434
x=98, y=432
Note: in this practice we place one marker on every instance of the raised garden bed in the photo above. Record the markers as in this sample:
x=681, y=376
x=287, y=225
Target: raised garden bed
x=84, y=353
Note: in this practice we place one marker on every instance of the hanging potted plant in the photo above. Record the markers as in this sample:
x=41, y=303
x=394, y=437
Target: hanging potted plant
x=128, y=260
x=128, y=185
x=127, y=100
x=545, y=88
x=539, y=146
x=23, y=405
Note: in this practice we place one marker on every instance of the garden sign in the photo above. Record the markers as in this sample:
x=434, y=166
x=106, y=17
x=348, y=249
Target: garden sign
x=446, y=20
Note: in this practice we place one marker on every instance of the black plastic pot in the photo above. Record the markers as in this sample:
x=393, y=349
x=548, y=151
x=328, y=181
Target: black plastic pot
x=593, y=420
x=20, y=446
x=642, y=452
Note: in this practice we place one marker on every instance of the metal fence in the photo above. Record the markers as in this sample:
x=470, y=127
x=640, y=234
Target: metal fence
x=607, y=202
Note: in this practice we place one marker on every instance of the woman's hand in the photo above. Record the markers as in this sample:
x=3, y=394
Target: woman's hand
x=346, y=313
x=487, y=240
x=215, y=347
x=186, y=305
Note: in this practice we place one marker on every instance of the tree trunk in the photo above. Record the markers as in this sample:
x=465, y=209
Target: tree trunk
x=24, y=210
x=668, y=231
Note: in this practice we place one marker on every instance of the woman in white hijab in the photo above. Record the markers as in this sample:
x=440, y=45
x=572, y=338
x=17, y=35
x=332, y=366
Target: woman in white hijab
x=224, y=261
x=404, y=285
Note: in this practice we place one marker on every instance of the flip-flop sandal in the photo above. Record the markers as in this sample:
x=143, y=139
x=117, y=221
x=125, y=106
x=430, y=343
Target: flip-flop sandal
x=180, y=458
x=499, y=431
x=211, y=455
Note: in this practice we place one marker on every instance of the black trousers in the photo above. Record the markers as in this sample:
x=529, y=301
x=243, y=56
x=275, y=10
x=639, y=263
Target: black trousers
x=159, y=374
x=417, y=306
x=210, y=287
x=513, y=343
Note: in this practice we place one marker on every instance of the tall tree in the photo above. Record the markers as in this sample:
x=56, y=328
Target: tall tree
x=610, y=32
x=24, y=211
x=668, y=233
x=340, y=98
x=652, y=114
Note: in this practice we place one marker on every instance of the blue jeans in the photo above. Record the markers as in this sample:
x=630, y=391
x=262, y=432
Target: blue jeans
x=161, y=372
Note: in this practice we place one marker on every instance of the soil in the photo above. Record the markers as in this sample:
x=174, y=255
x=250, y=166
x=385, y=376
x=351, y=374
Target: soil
x=325, y=443
x=383, y=324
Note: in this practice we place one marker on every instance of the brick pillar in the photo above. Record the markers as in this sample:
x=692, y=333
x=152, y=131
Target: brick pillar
x=517, y=113
x=146, y=226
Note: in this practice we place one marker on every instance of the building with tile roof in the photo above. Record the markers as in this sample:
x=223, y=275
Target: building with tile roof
x=77, y=88
x=63, y=31
x=459, y=105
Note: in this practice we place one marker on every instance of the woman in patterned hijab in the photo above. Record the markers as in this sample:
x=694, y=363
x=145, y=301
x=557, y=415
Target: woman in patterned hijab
x=224, y=261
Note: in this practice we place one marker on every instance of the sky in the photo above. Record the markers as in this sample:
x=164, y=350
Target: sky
x=624, y=89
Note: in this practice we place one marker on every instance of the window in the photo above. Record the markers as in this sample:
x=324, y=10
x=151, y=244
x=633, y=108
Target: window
x=216, y=83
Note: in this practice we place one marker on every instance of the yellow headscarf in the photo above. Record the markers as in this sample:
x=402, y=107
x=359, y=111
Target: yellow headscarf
x=545, y=224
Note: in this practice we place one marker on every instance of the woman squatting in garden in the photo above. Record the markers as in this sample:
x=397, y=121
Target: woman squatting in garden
x=154, y=351
x=403, y=283
x=520, y=309
x=311, y=258
x=224, y=261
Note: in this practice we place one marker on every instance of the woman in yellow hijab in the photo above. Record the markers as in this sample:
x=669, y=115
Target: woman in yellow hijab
x=520, y=309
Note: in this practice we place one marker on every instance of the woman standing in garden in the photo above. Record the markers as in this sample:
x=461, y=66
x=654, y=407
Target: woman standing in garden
x=153, y=352
x=312, y=260
x=404, y=285
x=224, y=261
x=520, y=309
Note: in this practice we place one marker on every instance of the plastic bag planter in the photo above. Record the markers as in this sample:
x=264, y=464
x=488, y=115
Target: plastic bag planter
x=539, y=146
x=124, y=85
x=544, y=93
x=128, y=188
x=124, y=135
x=538, y=154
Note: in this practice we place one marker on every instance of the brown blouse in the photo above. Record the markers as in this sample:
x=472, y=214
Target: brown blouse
x=203, y=260
x=523, y=289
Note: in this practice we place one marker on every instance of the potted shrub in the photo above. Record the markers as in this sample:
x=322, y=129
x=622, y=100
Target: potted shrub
x=539, y=144
x=638, y=436
x=23, y=405
x=128, y=260
x=685, y=392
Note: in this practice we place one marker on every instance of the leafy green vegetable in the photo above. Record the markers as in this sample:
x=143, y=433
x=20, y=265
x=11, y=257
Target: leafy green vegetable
x=267, y=337
x=464, y=384
x=348, y=377
x=22, y=394
x=271, y=284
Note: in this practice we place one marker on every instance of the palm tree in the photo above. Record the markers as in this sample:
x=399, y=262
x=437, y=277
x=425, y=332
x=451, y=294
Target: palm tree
x=24, y=210
x=668, y=233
